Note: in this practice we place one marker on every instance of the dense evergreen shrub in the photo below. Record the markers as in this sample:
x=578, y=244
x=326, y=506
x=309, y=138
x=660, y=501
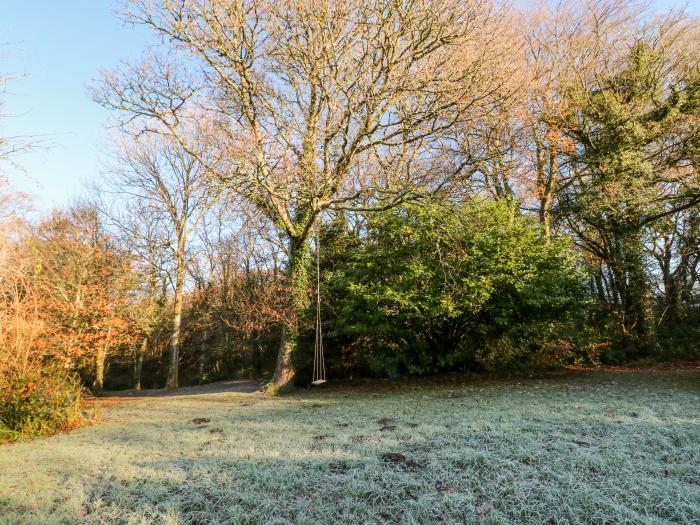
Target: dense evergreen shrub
x=435, y=287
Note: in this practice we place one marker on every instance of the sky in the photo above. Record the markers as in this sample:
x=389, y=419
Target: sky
x=59, y=47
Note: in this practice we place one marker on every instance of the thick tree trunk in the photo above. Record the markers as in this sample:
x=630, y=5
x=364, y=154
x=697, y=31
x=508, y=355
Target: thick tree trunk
x=548, y=187
x=98, y=382
x=138, y=363
x=546, y=168
x=600, y=285
x=174, y=354
x=671, y=306
x=297, y=274
x=670, y=313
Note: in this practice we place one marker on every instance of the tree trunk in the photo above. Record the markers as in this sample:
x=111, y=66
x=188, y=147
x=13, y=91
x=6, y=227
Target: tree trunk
x=546, y=214
x=138, y=363
x=672, y=296
x=258, y=359
x=299, y=300
x=98, y=382
x=174, y=354
x=600, y=284
x=671, y=311
x=634, y=324
x=100, y=358
x=202, y=361
x=547, y=189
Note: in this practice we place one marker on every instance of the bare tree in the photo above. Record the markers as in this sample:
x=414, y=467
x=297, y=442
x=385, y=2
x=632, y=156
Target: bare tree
x=147, y=238
x=171, y=186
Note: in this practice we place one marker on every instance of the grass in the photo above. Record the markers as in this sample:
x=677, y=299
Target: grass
x=587, y=448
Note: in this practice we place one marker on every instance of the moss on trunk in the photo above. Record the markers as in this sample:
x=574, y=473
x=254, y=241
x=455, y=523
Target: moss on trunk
x=299, y=301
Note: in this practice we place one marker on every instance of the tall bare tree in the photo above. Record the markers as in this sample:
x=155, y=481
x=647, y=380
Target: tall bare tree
x=172, y=186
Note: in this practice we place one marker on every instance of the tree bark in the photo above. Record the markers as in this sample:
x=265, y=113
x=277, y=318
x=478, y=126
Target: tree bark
x=546, y=214
x=547, y=184
x=100, y=358
x=98, y=382
x=297, y=275
x=174, y=354
x=138, y=363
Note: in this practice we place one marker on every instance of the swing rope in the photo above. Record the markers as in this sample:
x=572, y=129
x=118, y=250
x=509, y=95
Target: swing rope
x=319, y=373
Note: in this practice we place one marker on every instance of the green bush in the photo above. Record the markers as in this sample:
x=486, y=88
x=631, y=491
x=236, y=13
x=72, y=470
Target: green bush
x=437, y=287
x=38, y=403
x=679, y=341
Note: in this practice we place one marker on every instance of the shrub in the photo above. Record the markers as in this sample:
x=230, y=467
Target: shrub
x=437, y=287
x=38, y=403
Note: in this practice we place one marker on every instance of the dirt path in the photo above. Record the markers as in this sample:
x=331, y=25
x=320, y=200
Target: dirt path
x=229, y=385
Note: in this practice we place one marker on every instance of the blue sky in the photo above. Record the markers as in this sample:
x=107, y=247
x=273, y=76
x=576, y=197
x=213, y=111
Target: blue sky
x=60, y=46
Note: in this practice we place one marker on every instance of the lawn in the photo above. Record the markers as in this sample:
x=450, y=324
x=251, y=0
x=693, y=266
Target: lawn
x=589, y=447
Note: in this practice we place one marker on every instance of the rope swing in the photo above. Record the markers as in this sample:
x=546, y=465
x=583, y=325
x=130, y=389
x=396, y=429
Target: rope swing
x=319, y=374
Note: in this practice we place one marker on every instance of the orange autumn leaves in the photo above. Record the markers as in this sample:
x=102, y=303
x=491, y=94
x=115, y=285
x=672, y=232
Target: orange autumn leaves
x=84, y=284
x=74, y=295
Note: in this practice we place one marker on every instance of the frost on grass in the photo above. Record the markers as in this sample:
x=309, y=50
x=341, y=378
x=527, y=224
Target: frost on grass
x=598, y=448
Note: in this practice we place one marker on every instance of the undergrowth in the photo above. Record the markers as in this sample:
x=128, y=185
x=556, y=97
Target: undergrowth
x=38, y=403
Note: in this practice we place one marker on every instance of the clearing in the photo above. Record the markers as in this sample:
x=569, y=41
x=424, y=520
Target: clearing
x=589, y=447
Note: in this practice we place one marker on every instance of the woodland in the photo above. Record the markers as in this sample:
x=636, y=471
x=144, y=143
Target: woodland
x=414, y=187
x=365, y=261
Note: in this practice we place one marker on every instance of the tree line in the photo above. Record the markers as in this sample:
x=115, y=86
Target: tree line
x=488, y=187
